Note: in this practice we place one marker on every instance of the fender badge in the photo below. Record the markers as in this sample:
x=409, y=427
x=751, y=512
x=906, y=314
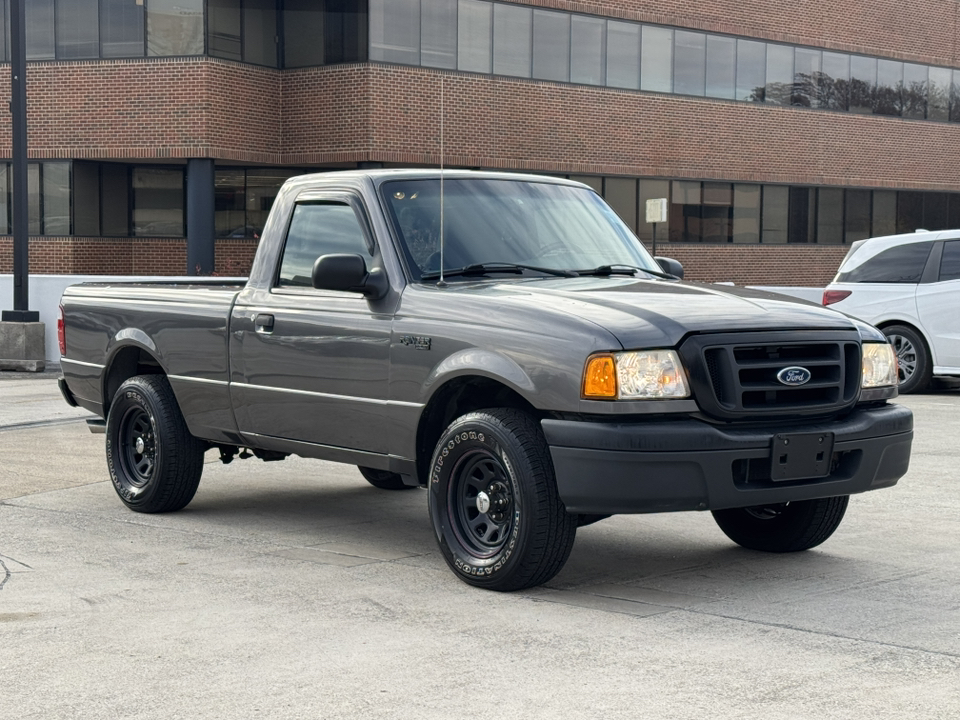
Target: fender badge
x=794, y=376
x=418, y=342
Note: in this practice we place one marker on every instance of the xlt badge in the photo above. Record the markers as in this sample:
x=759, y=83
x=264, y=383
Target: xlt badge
x=419, y=342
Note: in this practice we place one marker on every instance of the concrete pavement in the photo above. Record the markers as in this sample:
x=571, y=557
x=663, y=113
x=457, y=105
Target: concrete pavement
x=294, y=589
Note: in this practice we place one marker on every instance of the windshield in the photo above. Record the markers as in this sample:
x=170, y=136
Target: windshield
x=509, y=221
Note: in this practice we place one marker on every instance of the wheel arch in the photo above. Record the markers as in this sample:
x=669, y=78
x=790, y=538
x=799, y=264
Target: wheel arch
x=127, y=360
x=913, y=326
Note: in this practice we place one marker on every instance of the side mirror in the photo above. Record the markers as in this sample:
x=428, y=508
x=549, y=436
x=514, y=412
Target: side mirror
x=669, y=265
x=348, y=273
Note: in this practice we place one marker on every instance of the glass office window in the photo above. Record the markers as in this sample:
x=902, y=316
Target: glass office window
x=5, y=188
x=345, y=31
x=587, y=50
x=915, y=90
x=303, y=33
x=175, y=27
x=551, y=45
x=778, y=89
x=511, y=40
x=684, y=208
x=114, y=199
x=621, y=195
x=395, y=31
x=856, y=222
x=651, y=190
x=56, y=198
x=623, y=55
x=4, y=48
x=776, y=215
x=157, y=202
x=230, y=217
x=38, y=20
x=806, y=77
x=34, y=226
x=751, y=70
x=746, y=213
x=717, y=212
x=223, y=29
x=263, y=185
x=884, y=213
x=656, y=59
x=909, y=211
x=803, y=221
x=863, y=83
x=86, y=199
x=887, y=99
x=121, y=28
x=834, y=85
x=260, y=32
x=78, y=31
x=438, y=33
x=594, y=181
x=721, y=75
x=830, y=216
x=955, y=97
x=935, y=210
x=938, y=94
x=689, y=62
x=474, y=36
x=953, y=212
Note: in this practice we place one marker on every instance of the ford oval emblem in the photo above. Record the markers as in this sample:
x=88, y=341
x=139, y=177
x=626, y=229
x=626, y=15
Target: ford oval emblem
x=794, y=376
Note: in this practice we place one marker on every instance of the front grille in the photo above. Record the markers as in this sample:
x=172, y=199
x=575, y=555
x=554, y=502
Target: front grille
x=735, y=375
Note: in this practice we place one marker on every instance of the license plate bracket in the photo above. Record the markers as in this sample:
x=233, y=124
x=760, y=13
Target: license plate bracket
x=801, y=456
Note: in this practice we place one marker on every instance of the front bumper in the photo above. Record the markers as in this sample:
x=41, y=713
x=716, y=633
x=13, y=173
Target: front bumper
x=611, y=468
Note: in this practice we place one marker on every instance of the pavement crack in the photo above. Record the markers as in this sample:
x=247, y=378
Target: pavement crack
x=43, y=423
x=6, y=574
x=18, y=562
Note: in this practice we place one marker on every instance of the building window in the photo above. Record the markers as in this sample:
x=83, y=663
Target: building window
x=778, y=89
x=512, y=29
x=751, y=70
x=776, y=214
x=587, y=50
x=174, y=27
x=438, y=33
x=887, y=97
x=78, y=29
x=863, y=83
x=623, y=55
x=38, y=20
x=551, y=45
x=224, y=29
x=656, y=59
x=158, y=202
x=746, y=213
x=689, y=63
x=121, y=28
x=807, y=77
x=915, y=90
x=834, y=90
x=243, y=198
x=475, y=36
x=395, y=31
x=721, y=74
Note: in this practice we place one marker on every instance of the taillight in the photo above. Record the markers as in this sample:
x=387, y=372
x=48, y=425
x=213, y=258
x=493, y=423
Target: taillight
x=61, y=334
x=832, y=296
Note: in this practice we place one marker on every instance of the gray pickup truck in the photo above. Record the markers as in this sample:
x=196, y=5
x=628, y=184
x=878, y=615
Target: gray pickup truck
x=505, y=342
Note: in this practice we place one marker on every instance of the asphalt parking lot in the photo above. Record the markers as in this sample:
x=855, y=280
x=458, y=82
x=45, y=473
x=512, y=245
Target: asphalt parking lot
x=295, y=589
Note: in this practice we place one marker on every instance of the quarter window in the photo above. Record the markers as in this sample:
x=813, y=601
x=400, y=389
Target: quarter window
x=318, y=229
x=901, y=264
x=950, y=262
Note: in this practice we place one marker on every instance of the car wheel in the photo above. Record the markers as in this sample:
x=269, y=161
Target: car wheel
x=383, y=479
x=912, y=357
x=155, y=463
x=494, y=504
x=783, y=527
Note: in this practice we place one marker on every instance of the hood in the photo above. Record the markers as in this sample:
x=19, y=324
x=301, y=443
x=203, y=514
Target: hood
x=657, y=313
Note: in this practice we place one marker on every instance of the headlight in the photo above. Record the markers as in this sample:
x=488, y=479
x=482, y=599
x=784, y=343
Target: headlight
x=879, y=365
x=635, y=375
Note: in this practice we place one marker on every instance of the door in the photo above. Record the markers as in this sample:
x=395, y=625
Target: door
x=312, y=364
x=938, y=305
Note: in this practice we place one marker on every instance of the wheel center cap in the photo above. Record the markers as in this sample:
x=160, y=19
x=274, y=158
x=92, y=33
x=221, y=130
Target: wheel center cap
x=139, y=445
x=483, y=502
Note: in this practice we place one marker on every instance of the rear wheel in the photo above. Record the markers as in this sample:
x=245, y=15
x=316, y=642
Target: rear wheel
x=783, y=527
x=155, y=463
x=383, y=479
x=494, y=504
x=913, y=358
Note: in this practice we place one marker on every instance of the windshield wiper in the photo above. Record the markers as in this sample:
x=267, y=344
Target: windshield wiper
x=621, y=269
x=501, y=267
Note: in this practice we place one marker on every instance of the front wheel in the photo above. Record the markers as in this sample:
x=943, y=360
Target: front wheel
x=913, y=358
x=494, y=504
x=155, y=463
x=783, y=527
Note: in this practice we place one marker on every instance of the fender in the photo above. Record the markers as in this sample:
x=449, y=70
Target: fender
x=483, y=363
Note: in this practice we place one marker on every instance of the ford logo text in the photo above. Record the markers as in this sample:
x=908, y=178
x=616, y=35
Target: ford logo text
x=794, y=376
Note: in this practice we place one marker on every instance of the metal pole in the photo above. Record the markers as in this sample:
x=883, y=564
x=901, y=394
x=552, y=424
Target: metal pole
x=654, y=239
x=18, y=108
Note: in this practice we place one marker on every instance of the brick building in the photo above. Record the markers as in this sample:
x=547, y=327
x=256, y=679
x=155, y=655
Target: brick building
x=781, y=131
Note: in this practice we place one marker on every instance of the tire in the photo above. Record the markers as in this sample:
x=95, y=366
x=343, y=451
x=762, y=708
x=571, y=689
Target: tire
x=494, y=504
x=913, y=357
x=785, y=527
x=383, y=479
x=155, y=463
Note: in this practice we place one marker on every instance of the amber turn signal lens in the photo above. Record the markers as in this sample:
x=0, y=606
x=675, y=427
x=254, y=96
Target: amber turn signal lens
x=600, y=377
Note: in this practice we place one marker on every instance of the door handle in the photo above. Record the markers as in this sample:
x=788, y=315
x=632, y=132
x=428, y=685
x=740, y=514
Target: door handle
x=263, y=324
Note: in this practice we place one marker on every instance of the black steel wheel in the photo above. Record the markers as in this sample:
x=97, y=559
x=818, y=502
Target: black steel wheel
x=913, y=358
x=383, y=479
x=155, y=463
x=493, y=502
x=783, y=527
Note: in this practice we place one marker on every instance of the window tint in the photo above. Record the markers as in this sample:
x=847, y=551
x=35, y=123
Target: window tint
x=915, y=90
x=223, y=28
x=950, y=262
x=776, y=216
x=751, y=70
x=474, y=33
x=938, y=94
x=56, y=198
x=395, y=31
x=863, y=83
x=689, y=63
x=955, y=97
x=902, y=264
x=318, y=229
x=260, y=32
x=175, y=27
x=157, y=201
x=77, y=29
x=806, y=77
x=302, y=33
x=345, y=25
x=779, y=85
x=511, y=40
x=587, y=51
x=830, y=216
x=38, y=18
x=834, y=81
x=551, y=45
x=887, y=100
x=721, y=67
x=857, y=220
x=438, y=33
x=121, y=28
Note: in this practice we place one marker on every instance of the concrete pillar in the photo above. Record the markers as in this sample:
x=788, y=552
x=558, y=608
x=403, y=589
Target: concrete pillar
x=201, y=230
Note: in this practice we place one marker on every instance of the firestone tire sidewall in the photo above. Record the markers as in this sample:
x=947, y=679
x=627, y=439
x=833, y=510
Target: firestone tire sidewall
x=456, y=444
x=132, y=396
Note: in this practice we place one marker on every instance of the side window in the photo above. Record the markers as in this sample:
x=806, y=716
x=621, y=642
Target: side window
x=901, y=264
x=950, y=262
x=318, y=229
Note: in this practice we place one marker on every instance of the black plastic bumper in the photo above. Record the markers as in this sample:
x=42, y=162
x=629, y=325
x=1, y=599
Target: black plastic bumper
x=611, y=468
x=65, y=391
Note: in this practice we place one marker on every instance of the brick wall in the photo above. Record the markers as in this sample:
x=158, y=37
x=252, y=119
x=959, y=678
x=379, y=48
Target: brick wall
x=799, y=265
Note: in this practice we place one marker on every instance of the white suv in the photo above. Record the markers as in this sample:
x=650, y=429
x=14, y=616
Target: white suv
x=909, y=287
